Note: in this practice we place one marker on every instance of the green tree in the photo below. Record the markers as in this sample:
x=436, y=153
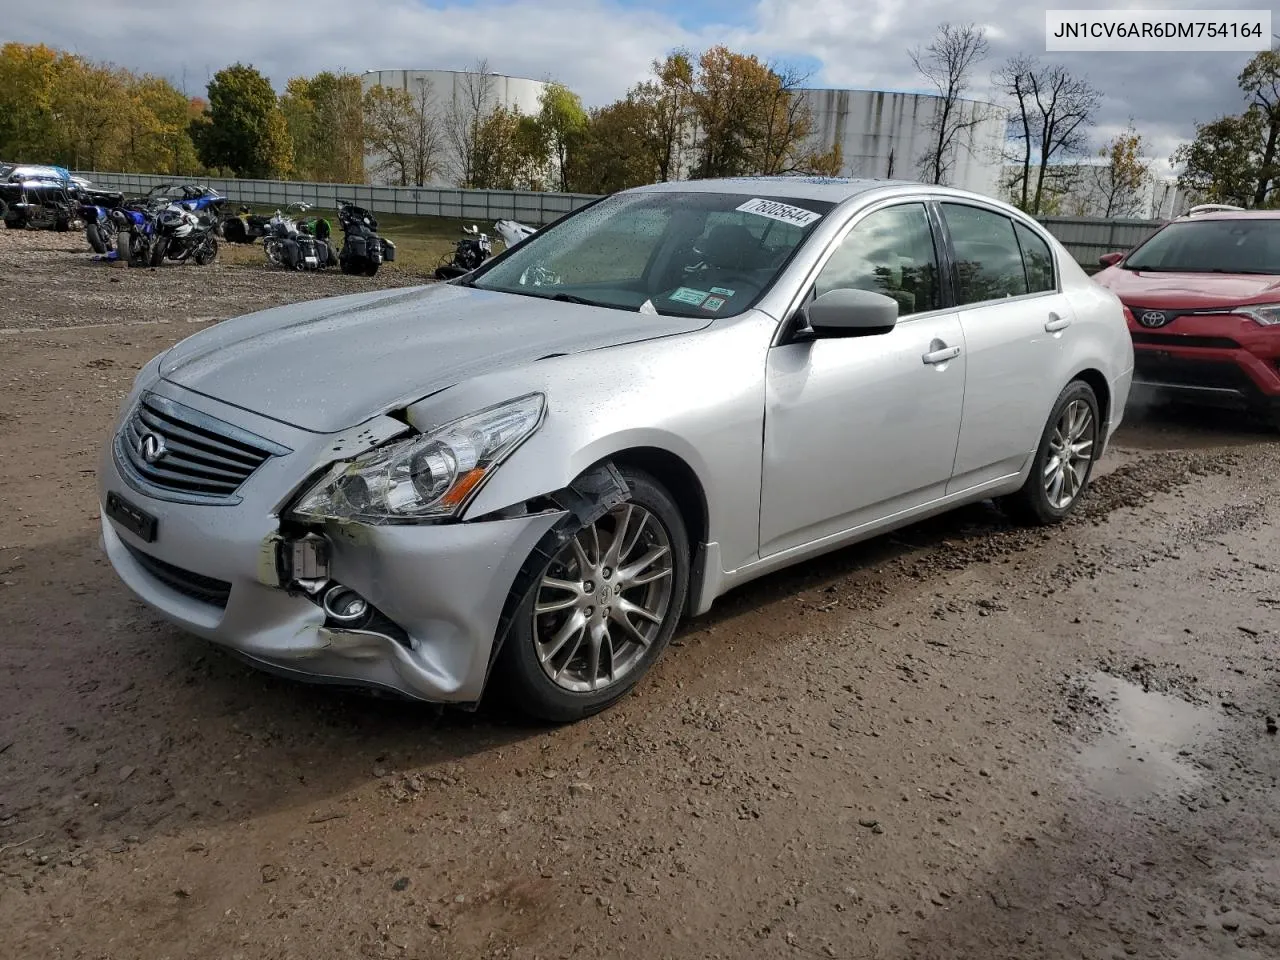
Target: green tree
x=617, y=149
x=563, y=121
x=244, y=129
x=325, y=118
x=27, y=125
x=1224, y=163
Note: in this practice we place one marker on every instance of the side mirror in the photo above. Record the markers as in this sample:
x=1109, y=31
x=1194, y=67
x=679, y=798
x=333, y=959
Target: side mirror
x=1110, y=259
x=851, y=313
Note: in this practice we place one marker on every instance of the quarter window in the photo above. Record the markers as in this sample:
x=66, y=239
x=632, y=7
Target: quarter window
x=1037, y=259
x=890, y=251
x=988, y=258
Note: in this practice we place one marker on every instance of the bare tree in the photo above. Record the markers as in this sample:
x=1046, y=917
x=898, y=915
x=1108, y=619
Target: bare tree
x=947, y=64
x=465, y=116
x=1052, y=113
x=402, y=129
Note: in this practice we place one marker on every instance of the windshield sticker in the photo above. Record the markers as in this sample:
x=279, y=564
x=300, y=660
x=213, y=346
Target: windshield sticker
x=689, y=295
x=798, y=216
x=721, y=292
x=713, y=303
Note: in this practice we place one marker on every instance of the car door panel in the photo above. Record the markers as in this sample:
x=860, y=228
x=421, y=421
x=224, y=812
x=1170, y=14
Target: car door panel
x=1015, y=333
x=859, y=428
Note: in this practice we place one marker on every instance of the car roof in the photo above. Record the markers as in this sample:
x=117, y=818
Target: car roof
x=1229, y=215
x=833, y=189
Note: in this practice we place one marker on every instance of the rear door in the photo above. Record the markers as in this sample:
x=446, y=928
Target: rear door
x=1016, y=323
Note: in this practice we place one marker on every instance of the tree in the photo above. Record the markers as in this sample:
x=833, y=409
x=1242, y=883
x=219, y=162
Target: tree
x=617, y=149
x=1223, y=163
x=1260, y=82
x=157, y=120
x=1052, y=113
x=563, y=121
x=403, y=130
x=324, y=115
x=667, y=101
x=243, y=128
x=470, y=104
x=947, y=63
x=1118, y=182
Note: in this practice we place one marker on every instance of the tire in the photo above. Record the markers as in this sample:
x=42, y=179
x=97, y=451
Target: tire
x=371, y=268
x=208, y=253
x=654, y=521
x=158, y=250
x=1035, y=503
x=4, y=210
x=350, y=267
x=94, y=236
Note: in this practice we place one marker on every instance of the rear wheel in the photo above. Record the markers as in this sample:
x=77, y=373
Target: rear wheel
x=370, y=268
x=598, y=607
x=94, y=236
x=1063, y=464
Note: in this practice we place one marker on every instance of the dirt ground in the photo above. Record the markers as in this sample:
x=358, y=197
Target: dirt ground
x=963, y=740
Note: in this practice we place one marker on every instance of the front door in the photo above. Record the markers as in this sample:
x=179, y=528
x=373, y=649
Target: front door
x=861, y=428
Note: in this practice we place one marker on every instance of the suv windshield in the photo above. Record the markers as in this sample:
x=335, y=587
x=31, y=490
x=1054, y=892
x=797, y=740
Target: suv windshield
x=672, y=253
x=1227, y=245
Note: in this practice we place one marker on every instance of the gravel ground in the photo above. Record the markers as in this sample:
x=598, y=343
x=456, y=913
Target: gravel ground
x=962, y=740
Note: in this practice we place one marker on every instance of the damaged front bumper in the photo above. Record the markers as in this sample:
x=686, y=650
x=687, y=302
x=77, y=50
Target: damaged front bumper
x=410, y=609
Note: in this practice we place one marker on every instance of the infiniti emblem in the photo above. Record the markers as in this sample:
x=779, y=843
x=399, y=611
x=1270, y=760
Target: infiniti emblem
x=151, y=447
x=1153, y=318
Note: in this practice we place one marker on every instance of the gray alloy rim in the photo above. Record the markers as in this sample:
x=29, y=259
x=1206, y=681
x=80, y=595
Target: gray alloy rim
x=1070, y=453
x=603, y=600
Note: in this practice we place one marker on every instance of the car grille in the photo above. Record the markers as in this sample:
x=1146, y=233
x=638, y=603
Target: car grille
x=174, y=452
x=195, y=585
x=1184, y=340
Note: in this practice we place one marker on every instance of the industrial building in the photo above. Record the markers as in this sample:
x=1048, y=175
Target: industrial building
x=883, y=134
x=452, y=90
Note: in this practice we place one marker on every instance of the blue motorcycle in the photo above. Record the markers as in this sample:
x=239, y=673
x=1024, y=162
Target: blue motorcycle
x=135, y=234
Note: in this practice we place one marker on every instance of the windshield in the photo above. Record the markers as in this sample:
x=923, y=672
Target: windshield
x=1229, y=245
x=676, y=254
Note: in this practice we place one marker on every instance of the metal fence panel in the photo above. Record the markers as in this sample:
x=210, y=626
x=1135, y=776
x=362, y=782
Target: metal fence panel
x=1084, y=238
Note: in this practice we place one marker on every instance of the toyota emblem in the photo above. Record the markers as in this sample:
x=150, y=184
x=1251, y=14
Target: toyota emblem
x=1153, y=318
x=151, y=447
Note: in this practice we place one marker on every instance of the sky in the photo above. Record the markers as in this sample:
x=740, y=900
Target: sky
x=601, y=47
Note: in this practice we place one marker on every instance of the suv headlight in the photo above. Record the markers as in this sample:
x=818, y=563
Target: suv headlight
x=1266, y=314
x=427, y=476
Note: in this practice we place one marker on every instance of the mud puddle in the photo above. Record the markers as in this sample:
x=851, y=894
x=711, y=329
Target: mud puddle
x=1148, y=750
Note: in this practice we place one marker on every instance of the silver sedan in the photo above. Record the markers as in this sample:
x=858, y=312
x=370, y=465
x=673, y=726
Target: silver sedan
x=524, y=478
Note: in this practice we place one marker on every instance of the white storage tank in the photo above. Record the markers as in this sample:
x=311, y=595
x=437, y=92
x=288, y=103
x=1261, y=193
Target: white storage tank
x=885, y=134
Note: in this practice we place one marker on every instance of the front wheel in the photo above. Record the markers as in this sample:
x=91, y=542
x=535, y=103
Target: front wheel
x=158, y=249
x=94, y=235
x=207, y=253
x=1063, y=464
x=600, y=602
x=370, y=268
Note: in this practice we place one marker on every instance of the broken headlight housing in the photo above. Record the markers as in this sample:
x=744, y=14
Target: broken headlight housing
x=428, y=476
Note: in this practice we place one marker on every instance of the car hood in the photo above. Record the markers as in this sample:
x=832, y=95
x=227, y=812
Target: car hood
x=325, y=365
x=1188, y=291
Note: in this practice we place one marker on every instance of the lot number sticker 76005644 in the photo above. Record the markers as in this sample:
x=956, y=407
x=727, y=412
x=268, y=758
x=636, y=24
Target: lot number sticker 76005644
x=797, y=216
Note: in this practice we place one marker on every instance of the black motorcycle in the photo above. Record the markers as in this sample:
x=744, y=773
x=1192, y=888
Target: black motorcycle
x=181, y=235
x=471, y=251
x=363, y=251
x=245, y=226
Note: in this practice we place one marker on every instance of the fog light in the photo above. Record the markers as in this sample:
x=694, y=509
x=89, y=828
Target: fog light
x=345, y=605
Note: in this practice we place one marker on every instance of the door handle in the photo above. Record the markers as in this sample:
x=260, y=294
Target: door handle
x=1056, y=323
x=942, y=355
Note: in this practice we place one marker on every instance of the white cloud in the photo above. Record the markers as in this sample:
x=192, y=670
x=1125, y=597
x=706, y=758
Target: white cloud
x=599, y=48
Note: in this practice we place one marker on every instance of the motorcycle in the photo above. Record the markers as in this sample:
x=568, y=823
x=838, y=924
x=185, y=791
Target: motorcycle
x=363, y=250
x=298, y=246
x=181, y=234
x=135, y=235
x=468, y=253
x=245, y=227
x=100, y=229
x=512, y=232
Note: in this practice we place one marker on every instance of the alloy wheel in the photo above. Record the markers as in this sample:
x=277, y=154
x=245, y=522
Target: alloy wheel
x=603, y=600
x=1070, y=453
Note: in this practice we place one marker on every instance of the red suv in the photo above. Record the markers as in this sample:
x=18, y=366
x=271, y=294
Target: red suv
x=1202, y=296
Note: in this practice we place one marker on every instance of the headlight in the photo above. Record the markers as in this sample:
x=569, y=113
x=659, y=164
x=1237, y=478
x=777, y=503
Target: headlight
x=1267, y=314
x=428, y=476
